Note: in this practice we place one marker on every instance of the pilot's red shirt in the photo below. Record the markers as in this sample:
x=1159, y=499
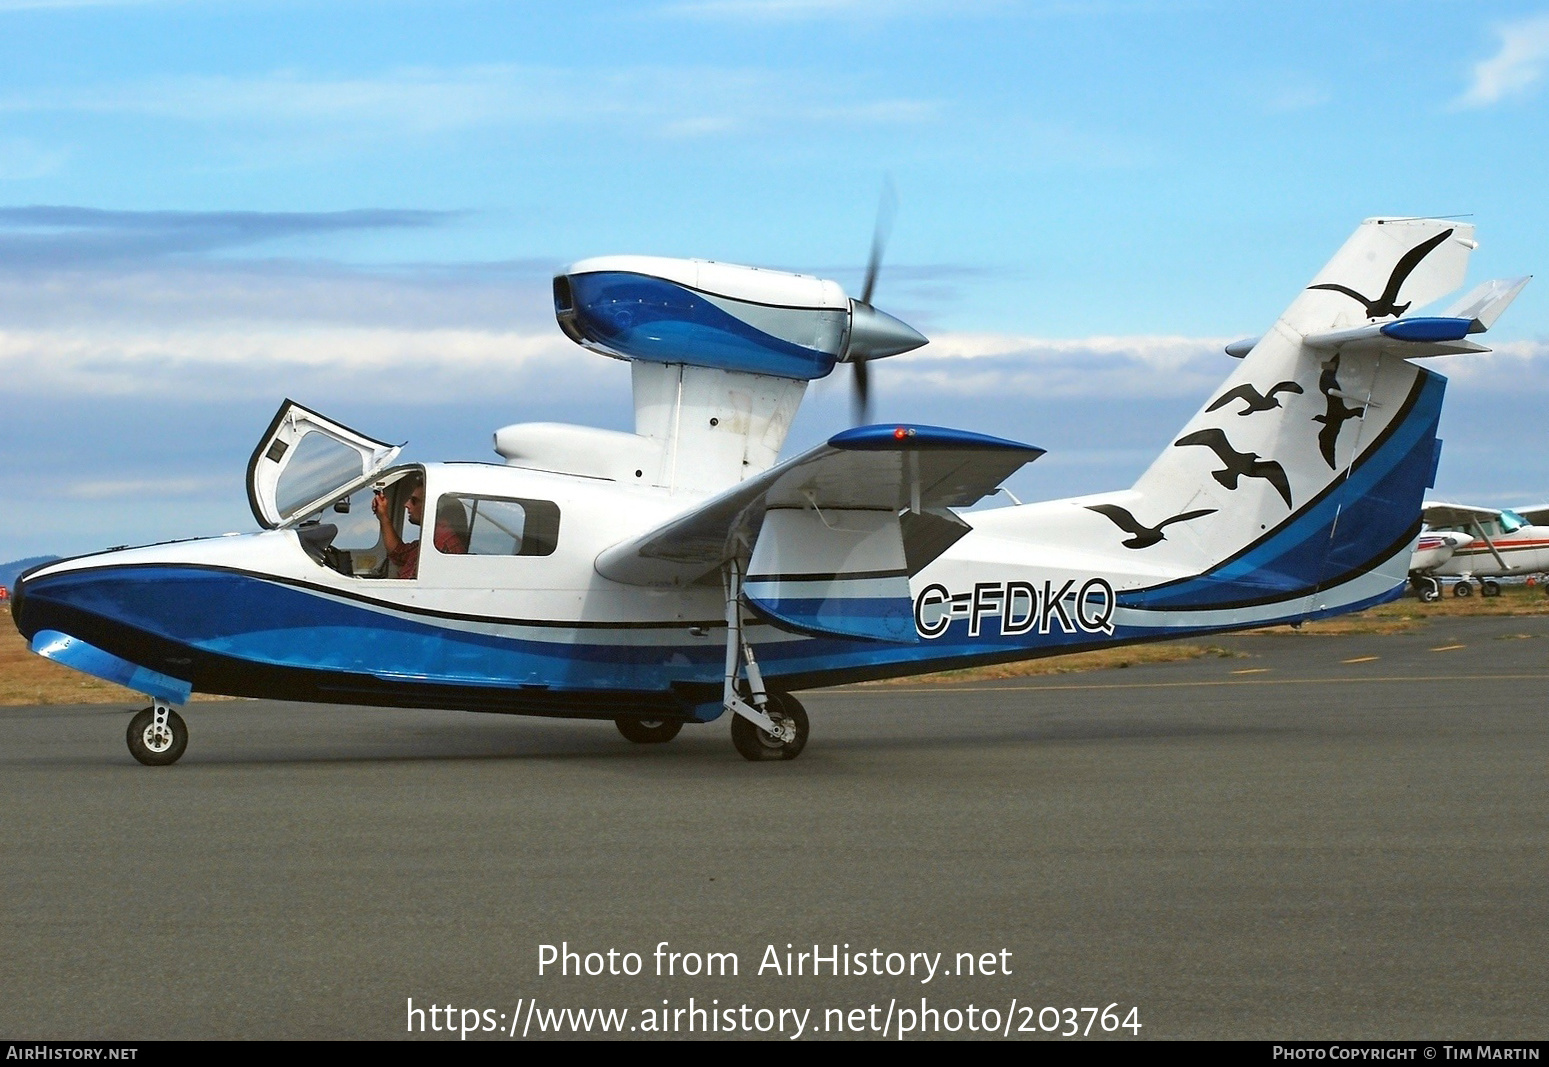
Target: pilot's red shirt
x=407, y=557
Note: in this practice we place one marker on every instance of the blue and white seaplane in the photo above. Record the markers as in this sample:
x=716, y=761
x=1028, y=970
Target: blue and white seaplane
x=632, y=576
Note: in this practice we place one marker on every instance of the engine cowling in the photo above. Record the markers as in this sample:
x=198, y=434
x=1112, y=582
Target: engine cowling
x=720, y=315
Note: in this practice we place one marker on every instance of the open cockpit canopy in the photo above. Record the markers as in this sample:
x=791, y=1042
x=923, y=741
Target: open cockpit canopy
x=304, y=460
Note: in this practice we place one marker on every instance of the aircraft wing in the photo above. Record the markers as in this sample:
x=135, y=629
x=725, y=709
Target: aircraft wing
x=1437, y=514
x=1537, y=515
x=888, y=469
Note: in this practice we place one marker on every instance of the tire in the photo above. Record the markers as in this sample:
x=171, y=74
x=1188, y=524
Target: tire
x=756, y=745
x=1462, y=589
x=147, y=747
x=648, y=731
x=1430, y=591
x=1489, y=588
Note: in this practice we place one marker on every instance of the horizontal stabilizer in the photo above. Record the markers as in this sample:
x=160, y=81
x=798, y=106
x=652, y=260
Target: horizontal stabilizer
x=1415, y=337
x=870, y=468
x=1482, y=306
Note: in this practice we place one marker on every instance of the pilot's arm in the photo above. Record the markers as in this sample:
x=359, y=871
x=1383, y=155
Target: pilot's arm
x=384, y=513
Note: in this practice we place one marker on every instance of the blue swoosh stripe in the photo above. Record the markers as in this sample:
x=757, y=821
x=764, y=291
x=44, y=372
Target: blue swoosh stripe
x=1378, y=504
x=647, y=318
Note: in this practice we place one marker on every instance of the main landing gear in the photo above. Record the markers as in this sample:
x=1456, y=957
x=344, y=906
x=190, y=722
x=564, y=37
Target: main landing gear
x=764, y=725
x=754, y=743
x=648, y=731
x=157, y=735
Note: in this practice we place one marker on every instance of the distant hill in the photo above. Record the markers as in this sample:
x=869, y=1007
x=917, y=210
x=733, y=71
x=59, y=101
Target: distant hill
x=9, y=571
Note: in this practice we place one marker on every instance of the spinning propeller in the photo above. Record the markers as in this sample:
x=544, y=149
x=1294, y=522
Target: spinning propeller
x=873, y=333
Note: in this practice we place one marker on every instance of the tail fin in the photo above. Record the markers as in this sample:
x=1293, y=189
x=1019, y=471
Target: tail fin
x=1307, y=468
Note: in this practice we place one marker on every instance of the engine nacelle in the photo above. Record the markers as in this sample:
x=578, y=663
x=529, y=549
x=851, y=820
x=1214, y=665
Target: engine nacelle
x=720, y=315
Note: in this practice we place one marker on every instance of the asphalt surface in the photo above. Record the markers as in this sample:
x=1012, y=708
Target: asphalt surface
x=1322, y=838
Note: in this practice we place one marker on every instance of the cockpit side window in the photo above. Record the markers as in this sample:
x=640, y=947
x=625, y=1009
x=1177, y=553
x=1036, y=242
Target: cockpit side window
x=496, y=526
x=357, y=548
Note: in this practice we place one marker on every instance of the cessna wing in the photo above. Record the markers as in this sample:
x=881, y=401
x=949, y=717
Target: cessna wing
x=1472, y=519
x=1537, y=515
x=876, y=470
x=1438, y=515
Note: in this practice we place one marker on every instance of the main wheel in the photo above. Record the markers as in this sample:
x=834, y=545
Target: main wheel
x=1430, y=590
x=1462, y=589
x=648, y=731
x=153, y=744
x=1489, y=588
x=754, y=744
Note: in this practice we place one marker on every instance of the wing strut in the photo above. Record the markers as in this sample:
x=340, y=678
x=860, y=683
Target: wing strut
x=740, y=654
x=1479, y=529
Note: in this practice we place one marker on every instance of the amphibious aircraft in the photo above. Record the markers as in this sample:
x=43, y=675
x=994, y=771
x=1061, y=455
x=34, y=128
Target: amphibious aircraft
x=632, y=576
x=1485, y=544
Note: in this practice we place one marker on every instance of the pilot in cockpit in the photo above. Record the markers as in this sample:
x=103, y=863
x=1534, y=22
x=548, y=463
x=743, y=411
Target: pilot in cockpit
x=451, y=532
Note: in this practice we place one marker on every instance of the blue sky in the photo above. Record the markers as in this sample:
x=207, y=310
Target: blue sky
x=209, y=205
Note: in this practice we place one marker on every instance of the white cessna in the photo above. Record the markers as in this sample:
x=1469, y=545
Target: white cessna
x=1478, y=543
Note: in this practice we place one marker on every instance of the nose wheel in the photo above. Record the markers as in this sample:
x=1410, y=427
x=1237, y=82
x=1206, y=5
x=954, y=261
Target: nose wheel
x=157, y=735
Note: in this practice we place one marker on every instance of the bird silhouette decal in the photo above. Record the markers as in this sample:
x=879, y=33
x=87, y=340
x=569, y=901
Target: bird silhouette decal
x=1144, y=536
x=1384, y=305
x=1238, y=464
x=1333, y=419
x=1255, y=400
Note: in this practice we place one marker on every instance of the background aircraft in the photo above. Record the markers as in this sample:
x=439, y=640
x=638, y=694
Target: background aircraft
x=1477, y=543
x=627, y=576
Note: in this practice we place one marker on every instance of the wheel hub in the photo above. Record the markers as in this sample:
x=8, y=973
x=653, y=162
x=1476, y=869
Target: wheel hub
x=157, y=737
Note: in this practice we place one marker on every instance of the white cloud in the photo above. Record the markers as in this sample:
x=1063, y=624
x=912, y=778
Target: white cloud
x=1513, y=70
x=1292, y=98
x=804, y=10
x=661, y=101
x=363, y=363
x=1512, y=367
x=40, y=5
x=973, y=364
x=22, y=160
x=155, y=488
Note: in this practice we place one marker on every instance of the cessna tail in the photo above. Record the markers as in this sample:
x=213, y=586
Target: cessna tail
x=682, y=571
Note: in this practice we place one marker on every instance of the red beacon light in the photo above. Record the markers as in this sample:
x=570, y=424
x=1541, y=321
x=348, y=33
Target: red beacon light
x=902, y=432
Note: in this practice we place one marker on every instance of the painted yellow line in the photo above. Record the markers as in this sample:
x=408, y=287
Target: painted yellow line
x=1447, y=648
x=1408, y=679
x=1252, y=670
x=1359, y=659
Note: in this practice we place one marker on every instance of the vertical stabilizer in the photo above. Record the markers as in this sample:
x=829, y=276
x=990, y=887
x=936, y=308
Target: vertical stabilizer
x=1387, y=268
x=1296, y=488
x=1307, y=467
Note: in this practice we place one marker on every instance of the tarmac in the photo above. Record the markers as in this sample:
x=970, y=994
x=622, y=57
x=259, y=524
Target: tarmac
x=1315, y=837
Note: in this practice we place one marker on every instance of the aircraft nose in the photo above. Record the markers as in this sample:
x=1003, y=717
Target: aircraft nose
x=19, y=609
